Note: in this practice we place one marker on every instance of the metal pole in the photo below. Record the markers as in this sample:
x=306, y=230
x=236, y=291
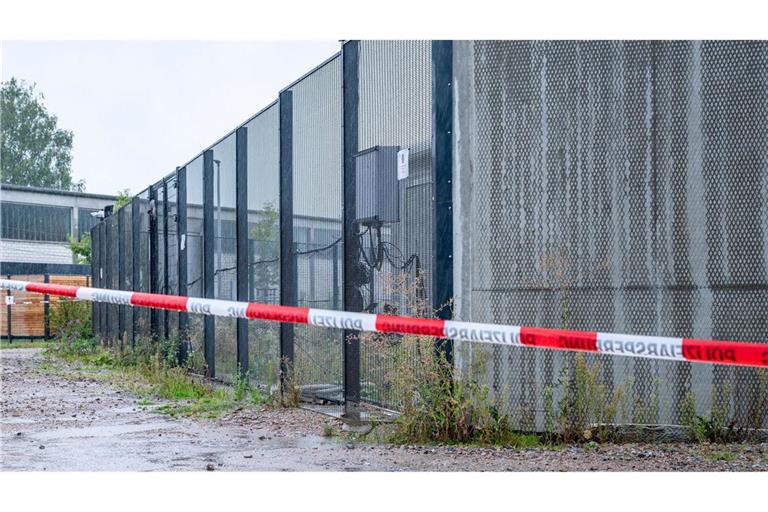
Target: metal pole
x=352, y=296
x=181, y=237
x=241, y=240
x=165, y=331
x=136, y=257
x=288, y=278
x=8, y=313
x=153, y=250
x=442, y=158
x=46, y=309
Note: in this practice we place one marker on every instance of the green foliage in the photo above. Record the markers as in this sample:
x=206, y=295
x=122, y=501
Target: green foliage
x=587, y=410
x=442, y=405
x=70, y=320
x=82, y=248
x=35, y=151
x=123, y=198
x=241, y=385
x=265, y=232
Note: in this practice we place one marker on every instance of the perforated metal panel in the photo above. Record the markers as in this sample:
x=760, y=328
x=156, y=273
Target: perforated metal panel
x=621, y=187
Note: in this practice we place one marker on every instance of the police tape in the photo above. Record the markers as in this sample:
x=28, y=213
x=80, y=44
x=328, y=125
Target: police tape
x=653, y=347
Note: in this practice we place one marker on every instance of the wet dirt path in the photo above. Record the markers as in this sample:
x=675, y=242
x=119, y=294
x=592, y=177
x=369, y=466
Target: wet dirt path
x=55, y=422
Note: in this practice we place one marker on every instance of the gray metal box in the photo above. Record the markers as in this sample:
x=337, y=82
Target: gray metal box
x=376, y=185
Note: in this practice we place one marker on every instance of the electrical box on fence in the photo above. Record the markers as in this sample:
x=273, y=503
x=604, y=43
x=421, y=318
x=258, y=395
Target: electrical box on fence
x=376, y=186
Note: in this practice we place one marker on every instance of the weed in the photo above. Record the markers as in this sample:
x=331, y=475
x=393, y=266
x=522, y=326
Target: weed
x=290, y=391
x=241, y=384
x=328, y=430
x=71, y=319
x=722, y=456
x=256, y=397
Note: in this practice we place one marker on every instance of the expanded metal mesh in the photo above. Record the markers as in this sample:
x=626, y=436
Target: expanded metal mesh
x=194, y=251
x=126, y=264
x=621, y=187
x=395, y=110
x=172, y=255
x=317, y=214
x=142, y=315
x=158, y=286
x=225, y=261
x=263, y=148
x=96, y=278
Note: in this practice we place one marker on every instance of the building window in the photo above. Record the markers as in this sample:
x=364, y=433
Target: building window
x=36, y=222
x=85, y=221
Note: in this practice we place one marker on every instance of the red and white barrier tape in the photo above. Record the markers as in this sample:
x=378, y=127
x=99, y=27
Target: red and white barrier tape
x=653, y=347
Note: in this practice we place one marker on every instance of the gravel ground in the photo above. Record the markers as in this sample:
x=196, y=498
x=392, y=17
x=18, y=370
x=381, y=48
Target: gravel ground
x=62, y=422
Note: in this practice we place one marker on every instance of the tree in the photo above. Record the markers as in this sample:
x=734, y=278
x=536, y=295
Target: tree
x=81, y=248
x=123, y=198
x=33, y=150
x=263, y=236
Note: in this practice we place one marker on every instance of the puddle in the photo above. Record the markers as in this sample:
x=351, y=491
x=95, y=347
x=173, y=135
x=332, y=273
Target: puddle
x=102, y=431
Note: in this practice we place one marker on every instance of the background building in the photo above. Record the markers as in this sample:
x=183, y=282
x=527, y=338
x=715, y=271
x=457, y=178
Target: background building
x=34, y=246
x=37, y=222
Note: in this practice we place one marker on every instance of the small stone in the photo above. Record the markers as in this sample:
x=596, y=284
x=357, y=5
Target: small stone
x=210, y=467
x=41, y=447
x=18, y=433
x=247, y=456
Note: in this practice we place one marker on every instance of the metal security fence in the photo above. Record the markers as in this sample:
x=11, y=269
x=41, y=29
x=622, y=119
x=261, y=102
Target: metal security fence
x=612, y=186
x=618, y=186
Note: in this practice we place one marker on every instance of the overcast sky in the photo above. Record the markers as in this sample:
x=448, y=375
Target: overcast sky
x=139, y=109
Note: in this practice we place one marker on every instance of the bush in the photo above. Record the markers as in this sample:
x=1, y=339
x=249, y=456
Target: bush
x=71, y=318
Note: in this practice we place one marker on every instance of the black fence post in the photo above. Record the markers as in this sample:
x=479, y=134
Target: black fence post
x=288, y=270
x=121, y=272
x=165, y=331
x=442, y=164
x=351, y=269
x=47, y=309
x=8, y=312
x=208, y=261
x=95, y=311
x=241, y=244
x=153, y=250
x=108, y=248
x=136, y=256
x=181, y=239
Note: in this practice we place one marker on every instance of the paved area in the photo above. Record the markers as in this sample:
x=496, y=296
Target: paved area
x=60, y=422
